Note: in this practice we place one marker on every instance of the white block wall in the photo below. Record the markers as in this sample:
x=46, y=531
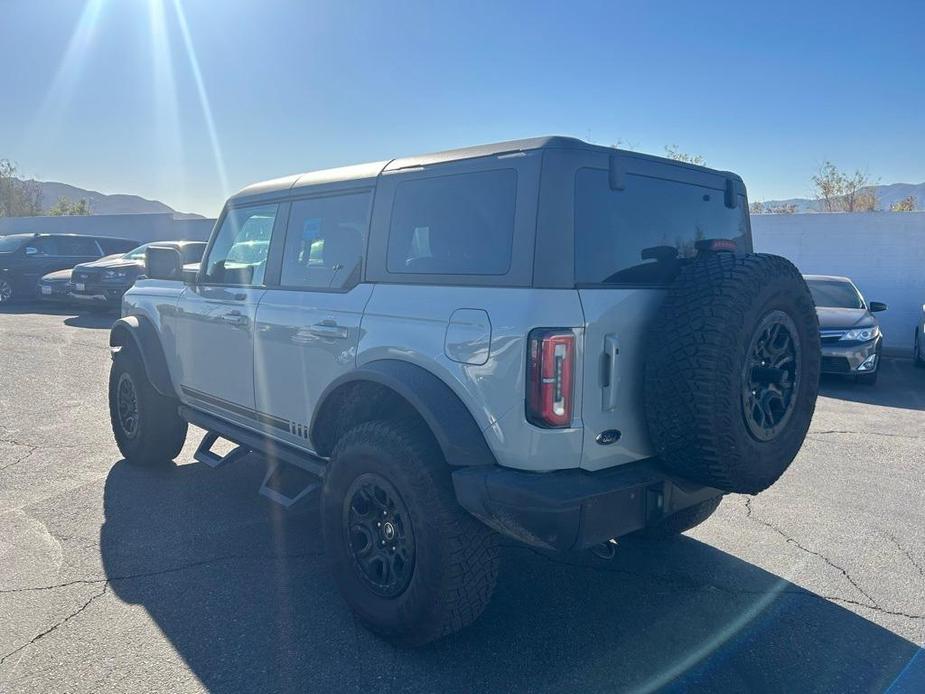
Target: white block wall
x=883, y=252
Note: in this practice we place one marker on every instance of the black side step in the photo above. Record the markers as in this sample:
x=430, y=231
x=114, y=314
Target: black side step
x=205, y=454
x=249, y=441
x=286, y=484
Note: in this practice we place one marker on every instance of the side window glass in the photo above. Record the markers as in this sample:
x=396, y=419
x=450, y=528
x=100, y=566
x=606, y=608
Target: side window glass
x=77, y=247
x=239, y=254
x=325, y=242
x=44, y=246
x=460, y=224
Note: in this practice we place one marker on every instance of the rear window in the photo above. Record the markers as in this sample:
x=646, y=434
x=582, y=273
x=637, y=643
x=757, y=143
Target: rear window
x=454, y=225
x=638, y=235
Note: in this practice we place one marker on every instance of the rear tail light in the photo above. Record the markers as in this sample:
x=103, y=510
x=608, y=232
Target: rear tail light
x=550, y=369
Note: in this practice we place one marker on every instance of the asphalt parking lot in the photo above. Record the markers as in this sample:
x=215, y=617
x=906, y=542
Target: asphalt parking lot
x=182, y=578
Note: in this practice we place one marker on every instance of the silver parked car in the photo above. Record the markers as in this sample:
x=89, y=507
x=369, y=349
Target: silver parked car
x=851, y=337
x=544, y=339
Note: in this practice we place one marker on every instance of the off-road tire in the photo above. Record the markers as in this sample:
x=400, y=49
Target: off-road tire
x=455, y=556
x=698, y=357
x=159, y=432
x=679, y=522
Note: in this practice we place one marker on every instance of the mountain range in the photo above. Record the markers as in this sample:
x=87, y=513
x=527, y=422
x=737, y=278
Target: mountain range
x=886, y=196
x=101, y=203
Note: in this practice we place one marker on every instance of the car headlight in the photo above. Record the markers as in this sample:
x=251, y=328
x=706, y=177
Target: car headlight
x=861, y=334
x=115, y=275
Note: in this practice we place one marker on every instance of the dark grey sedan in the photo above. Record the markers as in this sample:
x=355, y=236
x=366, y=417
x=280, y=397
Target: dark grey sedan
x=851, y=338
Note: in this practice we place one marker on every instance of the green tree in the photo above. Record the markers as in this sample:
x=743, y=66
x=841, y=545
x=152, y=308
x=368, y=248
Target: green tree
x=907, y=204
x=65, y=207
x=18, y=198
x=673, y=152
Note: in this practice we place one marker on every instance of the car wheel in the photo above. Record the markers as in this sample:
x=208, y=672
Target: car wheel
x=409, y=561
x=732, y=371
x=146, y=424
x=6, y=292
x=679, y=522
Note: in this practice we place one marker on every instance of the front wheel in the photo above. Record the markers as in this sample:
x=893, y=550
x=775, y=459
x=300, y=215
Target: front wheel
x=6, y=291
x=409, y=561
x=147, y=427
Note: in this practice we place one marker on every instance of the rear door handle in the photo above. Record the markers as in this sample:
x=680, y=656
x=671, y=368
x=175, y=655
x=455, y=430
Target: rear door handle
x=610, y=379
x=328, y=329
x=234, y=317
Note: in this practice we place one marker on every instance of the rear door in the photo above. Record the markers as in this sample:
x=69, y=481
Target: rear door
x=215, y=317
x=635, y=223
x=308, y=321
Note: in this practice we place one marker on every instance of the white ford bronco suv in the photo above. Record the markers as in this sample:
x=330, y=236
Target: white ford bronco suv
x=545, y=339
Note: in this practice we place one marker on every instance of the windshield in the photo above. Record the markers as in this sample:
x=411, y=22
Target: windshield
x=835, y=294
x=11, y=243
x=136, y=254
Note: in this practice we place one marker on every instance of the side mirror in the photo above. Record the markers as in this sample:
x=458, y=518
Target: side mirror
x=876, y=306
x=162, y=263
x=32, y=250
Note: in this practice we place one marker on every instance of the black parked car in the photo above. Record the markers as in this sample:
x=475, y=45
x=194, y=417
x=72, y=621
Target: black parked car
x=26, y=258
x=102, y=283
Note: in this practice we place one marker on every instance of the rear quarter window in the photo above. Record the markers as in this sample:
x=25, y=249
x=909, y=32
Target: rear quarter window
x=639, y=235
x=461, y=224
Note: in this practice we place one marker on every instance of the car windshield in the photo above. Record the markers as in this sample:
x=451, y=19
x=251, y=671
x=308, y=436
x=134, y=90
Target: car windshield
x=136, y=254
x=835, y=294
x=11, y=243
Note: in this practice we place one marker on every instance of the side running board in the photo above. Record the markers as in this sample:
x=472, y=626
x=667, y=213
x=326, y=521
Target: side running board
x=292, y=474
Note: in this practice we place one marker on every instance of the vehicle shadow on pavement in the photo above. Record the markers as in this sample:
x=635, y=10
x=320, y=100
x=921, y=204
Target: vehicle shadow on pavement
x=241, y=590
x=76, y=316
x=899, y=385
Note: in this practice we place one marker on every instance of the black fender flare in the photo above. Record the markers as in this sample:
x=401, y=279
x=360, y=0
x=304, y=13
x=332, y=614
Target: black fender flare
x=141, y=333
x=453, y=426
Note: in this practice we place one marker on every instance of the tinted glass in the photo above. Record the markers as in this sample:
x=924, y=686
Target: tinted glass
x=325, y=242
x=639, y=235
x=835, y=294
x=46, y=245
x=77, y=247
x=136, y=254
x=239, y=253
x=11, y=243
x=454, y=225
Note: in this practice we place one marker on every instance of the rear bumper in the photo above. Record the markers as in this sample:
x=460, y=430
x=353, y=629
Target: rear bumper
x=573, y=509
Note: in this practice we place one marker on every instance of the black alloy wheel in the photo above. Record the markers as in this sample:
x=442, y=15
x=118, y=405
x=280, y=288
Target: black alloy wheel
x=770, y=376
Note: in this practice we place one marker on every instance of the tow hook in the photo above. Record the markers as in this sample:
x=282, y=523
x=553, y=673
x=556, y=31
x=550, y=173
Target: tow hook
x=606, y=550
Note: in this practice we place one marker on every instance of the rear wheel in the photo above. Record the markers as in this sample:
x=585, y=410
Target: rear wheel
x=146, y=424
x=410, y=562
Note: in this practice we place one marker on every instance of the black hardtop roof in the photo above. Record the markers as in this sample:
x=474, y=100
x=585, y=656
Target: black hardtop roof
x=374, y=169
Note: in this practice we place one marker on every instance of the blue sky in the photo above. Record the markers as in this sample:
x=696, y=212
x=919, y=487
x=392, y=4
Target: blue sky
x=103, y=94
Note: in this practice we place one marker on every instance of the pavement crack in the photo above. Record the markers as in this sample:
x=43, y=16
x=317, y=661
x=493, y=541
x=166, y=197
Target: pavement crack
x=160, y=572
x=908, y=555
x=749, y=513
x=56, y=625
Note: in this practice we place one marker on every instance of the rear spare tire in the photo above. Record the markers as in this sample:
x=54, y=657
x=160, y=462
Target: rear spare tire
x=733, y=370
